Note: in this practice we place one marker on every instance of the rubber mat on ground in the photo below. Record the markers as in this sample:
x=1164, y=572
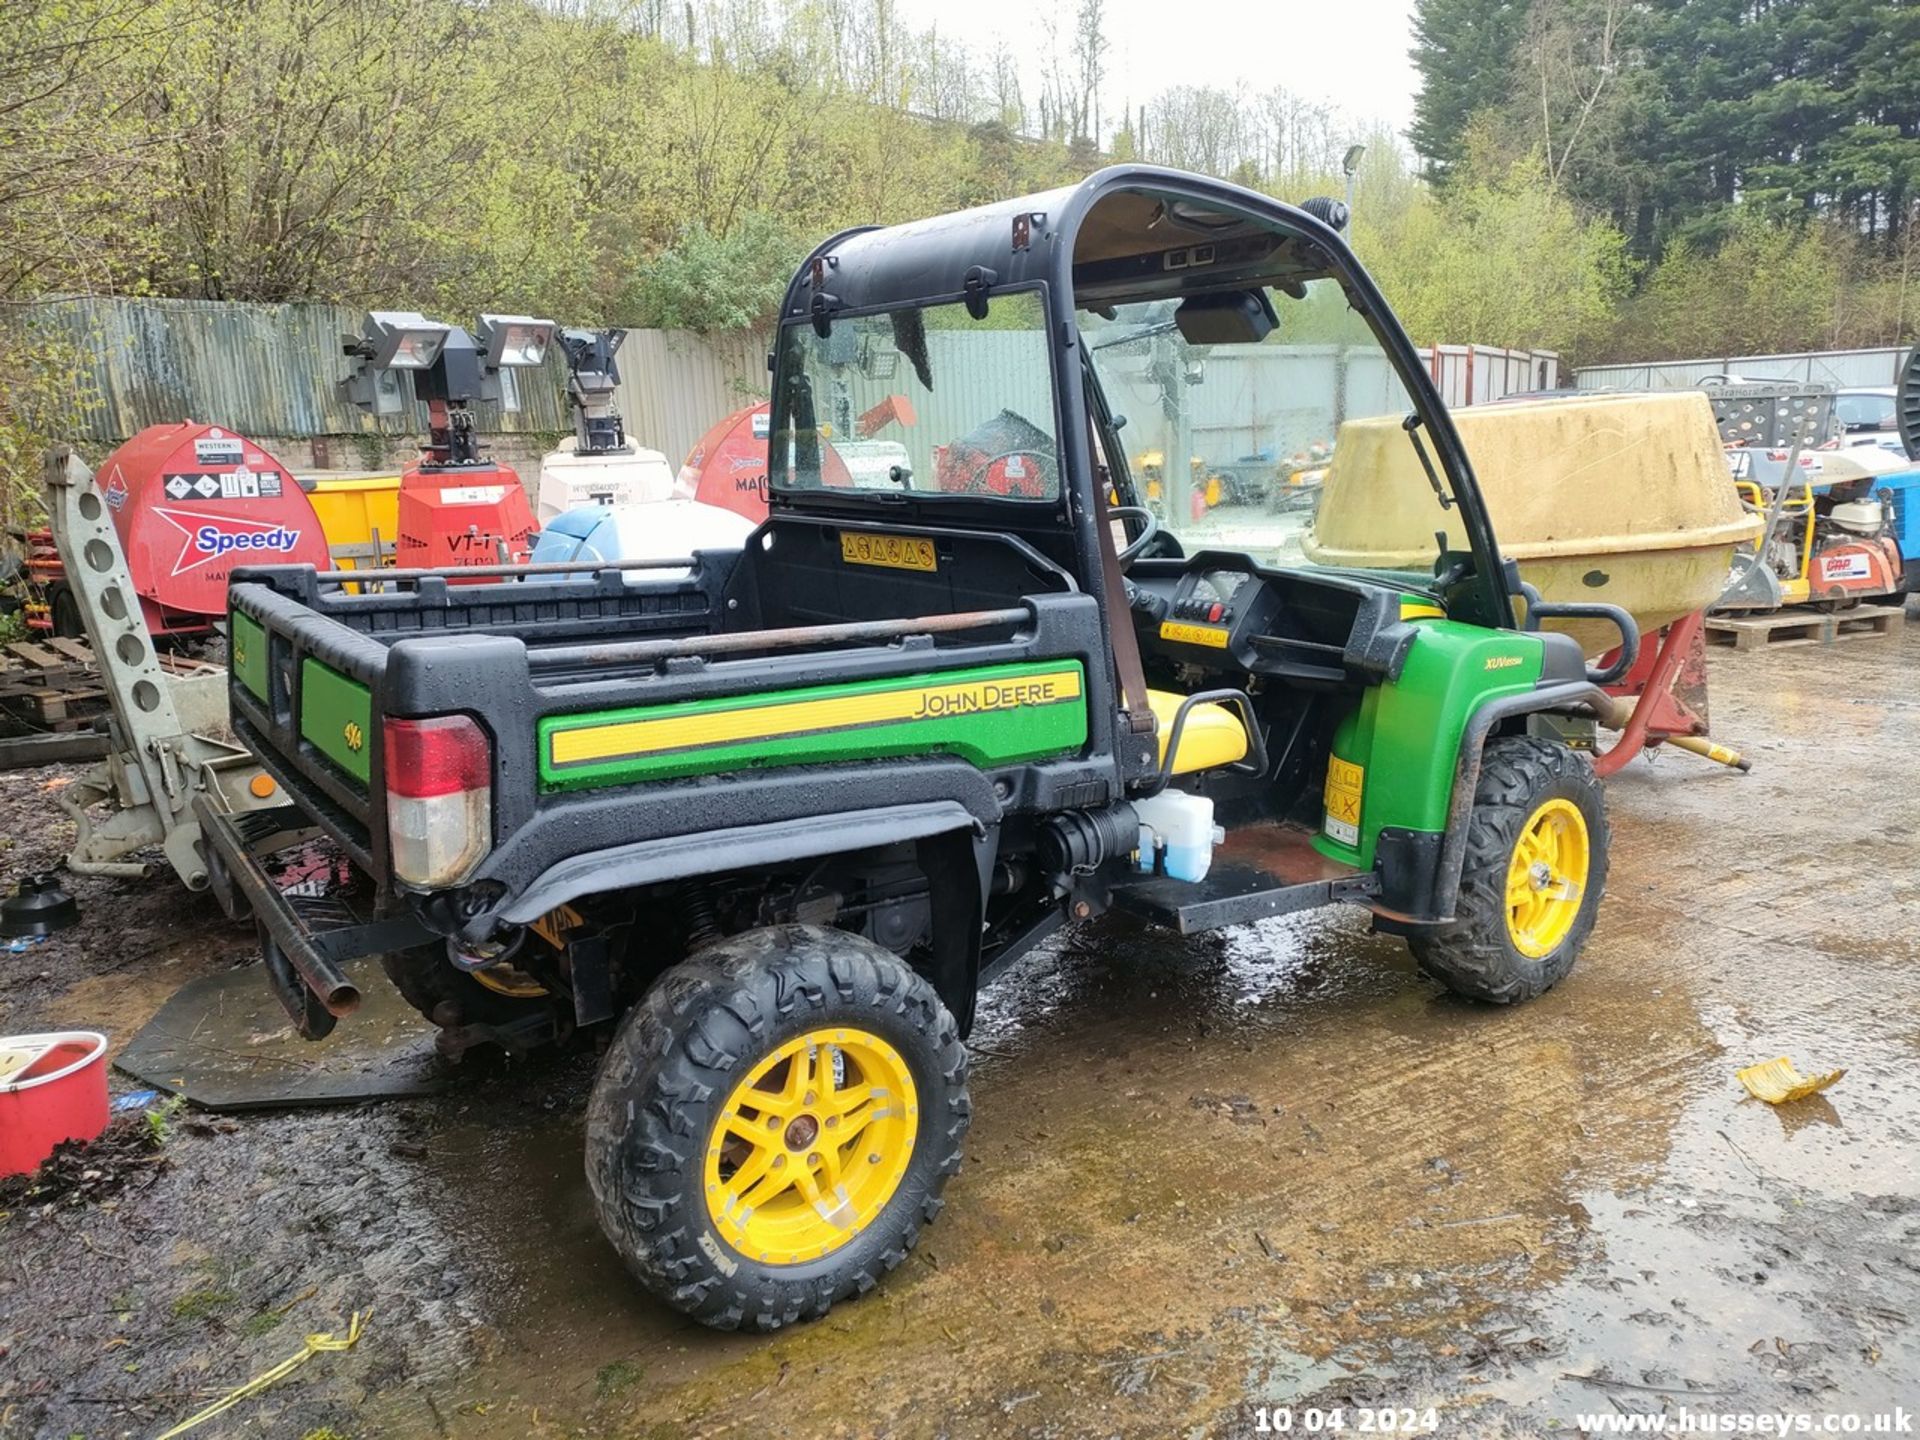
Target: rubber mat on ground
x=224, y=1042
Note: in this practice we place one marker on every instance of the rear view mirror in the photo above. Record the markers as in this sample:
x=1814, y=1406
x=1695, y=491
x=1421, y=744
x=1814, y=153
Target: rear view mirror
x=1236, y=317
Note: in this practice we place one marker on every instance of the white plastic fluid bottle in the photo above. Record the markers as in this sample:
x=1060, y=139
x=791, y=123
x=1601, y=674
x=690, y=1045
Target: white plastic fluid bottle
x=1178, y=827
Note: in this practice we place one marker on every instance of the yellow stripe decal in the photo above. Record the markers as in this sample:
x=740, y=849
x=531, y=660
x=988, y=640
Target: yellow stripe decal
x=1414, y=610
x=802, y=717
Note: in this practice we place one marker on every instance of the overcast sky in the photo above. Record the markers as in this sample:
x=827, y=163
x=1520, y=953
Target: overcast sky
x=1350, y=52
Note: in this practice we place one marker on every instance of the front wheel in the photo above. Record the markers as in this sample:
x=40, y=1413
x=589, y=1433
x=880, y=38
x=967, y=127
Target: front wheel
x=1535, y=869
x=774, y=1123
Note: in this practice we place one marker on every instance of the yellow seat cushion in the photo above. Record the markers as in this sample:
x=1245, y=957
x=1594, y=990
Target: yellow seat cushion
x=1213, y=735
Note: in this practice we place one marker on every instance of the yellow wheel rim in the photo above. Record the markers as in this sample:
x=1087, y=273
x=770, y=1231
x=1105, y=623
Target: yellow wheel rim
x=811, y=1146
x=1547, y=878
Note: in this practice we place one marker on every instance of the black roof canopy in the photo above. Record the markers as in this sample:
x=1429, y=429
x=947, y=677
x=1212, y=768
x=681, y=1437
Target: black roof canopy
x=1129, y=232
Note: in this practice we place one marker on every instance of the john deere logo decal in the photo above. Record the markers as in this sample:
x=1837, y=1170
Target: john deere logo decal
x=355, y=737
x=1004, y=695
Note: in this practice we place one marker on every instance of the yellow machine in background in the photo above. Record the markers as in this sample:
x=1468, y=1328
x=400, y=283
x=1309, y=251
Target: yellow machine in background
x=360, y=515
x=1617, y=498
x=1796, y=514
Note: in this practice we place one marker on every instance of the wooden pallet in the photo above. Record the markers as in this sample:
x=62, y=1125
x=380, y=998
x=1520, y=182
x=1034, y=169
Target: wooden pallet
x=51, y=682
x=1783, y=628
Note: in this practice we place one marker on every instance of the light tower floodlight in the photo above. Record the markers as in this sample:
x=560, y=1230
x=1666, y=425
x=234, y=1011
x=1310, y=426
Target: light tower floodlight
x=513, y=340
x=402, y=340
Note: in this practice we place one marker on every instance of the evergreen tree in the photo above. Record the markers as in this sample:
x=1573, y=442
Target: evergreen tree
x=1464, y=53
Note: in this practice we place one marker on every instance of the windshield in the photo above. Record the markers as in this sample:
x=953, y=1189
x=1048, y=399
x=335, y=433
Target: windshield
x=1292, y=450
x=928, y=400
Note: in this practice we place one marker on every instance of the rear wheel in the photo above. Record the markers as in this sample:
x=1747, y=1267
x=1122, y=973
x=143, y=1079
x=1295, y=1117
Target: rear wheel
x=496, y=998
x=1536, y=867
x=774, y=1123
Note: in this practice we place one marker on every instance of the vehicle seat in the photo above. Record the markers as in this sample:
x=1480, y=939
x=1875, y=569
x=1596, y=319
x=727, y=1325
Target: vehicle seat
x=1213, y=735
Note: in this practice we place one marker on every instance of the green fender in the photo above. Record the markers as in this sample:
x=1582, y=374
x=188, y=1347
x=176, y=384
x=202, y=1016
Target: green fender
x=1395, y=758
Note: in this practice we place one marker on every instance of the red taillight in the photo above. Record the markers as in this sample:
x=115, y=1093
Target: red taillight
x=439, y=799
x=440, y=756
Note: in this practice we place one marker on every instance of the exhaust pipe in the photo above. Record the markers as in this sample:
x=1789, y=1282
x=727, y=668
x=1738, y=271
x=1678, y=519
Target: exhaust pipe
x=310, y=987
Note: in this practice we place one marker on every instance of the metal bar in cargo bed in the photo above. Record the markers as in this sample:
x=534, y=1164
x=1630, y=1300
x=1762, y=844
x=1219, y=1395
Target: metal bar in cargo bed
x=857, y=632
x=467, y=572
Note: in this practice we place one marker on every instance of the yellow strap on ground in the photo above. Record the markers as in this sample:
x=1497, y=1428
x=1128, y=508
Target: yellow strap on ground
x=315, y=1344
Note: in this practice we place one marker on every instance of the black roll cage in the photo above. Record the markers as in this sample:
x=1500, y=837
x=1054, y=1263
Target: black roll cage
x=948, y=259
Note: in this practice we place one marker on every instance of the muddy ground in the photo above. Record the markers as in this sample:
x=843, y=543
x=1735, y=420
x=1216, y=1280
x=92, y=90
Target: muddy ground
x=1272, y=1167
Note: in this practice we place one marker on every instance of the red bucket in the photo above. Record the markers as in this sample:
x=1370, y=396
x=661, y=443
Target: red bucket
x=52, y=1088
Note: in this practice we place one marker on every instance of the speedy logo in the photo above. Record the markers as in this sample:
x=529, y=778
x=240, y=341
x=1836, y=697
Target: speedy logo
x=213, y=537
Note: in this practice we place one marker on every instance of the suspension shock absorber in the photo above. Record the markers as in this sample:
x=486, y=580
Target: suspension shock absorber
x=699, y=916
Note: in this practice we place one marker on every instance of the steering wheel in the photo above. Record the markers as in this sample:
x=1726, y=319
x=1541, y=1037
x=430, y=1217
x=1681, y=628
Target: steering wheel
x=1149, y=529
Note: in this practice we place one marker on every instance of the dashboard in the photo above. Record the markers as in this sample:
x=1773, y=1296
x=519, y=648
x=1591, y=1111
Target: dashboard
x=1221, y=611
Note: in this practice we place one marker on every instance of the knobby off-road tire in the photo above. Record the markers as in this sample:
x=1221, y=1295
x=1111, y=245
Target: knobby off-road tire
x=685, y=1104
x=1499, y=951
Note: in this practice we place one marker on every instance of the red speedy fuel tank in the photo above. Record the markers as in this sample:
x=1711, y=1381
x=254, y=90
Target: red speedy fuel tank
x=193, y=502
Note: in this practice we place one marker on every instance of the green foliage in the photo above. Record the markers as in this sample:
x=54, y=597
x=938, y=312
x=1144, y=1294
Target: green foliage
x=1770, y=286
x=1464, y=51
x=1764, y=159
x=616, y=1376
x=1506, y=262
x=202, y=1304
x=41, y=381
x=570, y=160
x=609, y=162
x=159, y=1120
x=705, y=281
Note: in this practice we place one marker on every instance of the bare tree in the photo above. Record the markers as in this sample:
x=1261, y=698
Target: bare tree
x=1003, y=79
x=1090, y=47
x=1570, y=56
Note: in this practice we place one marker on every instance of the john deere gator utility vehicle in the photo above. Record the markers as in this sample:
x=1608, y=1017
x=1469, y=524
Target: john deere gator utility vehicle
x=780, y=813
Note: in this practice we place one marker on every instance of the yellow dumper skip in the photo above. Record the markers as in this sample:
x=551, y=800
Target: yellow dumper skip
x=1625, y=499
x=354, y=512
